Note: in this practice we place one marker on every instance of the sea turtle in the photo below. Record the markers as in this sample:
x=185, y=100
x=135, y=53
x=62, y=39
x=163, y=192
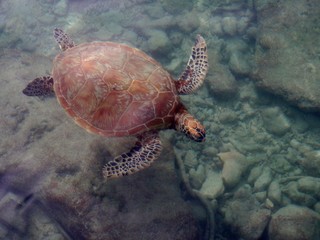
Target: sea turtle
x=114, y=90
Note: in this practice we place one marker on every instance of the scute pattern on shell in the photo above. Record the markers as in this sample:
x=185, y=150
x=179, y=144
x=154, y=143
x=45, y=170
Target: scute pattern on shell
x=114, y=90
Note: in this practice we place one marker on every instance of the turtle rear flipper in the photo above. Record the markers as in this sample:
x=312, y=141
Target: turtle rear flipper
x=147, y=149
x=195, y=72
x=41, y=86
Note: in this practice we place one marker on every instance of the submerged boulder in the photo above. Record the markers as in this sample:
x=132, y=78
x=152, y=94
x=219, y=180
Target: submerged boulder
x=286, y=51
x=244, y=214
x=294, y=223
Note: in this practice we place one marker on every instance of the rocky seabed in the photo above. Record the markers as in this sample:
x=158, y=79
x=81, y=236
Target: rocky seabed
x=257, y=174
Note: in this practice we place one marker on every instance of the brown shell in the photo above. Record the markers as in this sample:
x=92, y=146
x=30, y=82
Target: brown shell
x=114, y=90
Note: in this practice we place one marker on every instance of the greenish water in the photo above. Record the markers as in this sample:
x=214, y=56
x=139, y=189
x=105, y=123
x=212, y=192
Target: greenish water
x=255, y=177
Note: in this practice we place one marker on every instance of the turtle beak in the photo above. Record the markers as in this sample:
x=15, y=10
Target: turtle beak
x=198, y=135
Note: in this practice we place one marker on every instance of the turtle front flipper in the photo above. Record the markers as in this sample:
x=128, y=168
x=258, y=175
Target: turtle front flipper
x=193, y=76
x=62, y=39
x=41, y=86
x=146, y=150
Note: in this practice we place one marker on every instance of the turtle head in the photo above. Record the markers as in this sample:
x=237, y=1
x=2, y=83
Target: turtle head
x=186, y=123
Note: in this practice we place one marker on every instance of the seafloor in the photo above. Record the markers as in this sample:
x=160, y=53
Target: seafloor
x=257, y=176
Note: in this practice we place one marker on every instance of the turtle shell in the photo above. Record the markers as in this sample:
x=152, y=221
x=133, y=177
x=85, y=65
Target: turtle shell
x=114, y=90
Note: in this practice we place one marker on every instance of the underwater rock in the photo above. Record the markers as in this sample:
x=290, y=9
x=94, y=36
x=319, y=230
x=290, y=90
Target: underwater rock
x=274, y=192
x=238, y=64
x=176, y=38
x=213, y=186
x=121, y=210
x=158, y=41
x=294, y=223
x=162, y=23
x=234, y=165
x=64, y=176
x=197, y=177
x=14, y=117
x=215, y=26
x=47, y=18
x=190, y=159
x=230, y=18
x=254, y=224
x=210, y=151
x=269, y=204
x=242, y=24
x=309, y=185
x=293, y=193
x=275, y=121
x=236, y=50
x=271, y=40
x=255, y=172
x=286, y=64
x=114, y=28
x=248, y=93
x=226, y=116
x=244, y=214
x=311, y=162
x=301, y=125
x=317, y=207
x=174, y=6
x=235, y=45
x=188, y=22
x=61, y=8
x=282, y=165
x=229, y=25
x=174, y=64
x=29, y=44
x=261, y=196
x=263, y=180
x=301, y=147
x=221, y=82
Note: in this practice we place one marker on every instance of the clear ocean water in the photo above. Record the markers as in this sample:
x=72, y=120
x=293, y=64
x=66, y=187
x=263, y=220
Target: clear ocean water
x=257, y=174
